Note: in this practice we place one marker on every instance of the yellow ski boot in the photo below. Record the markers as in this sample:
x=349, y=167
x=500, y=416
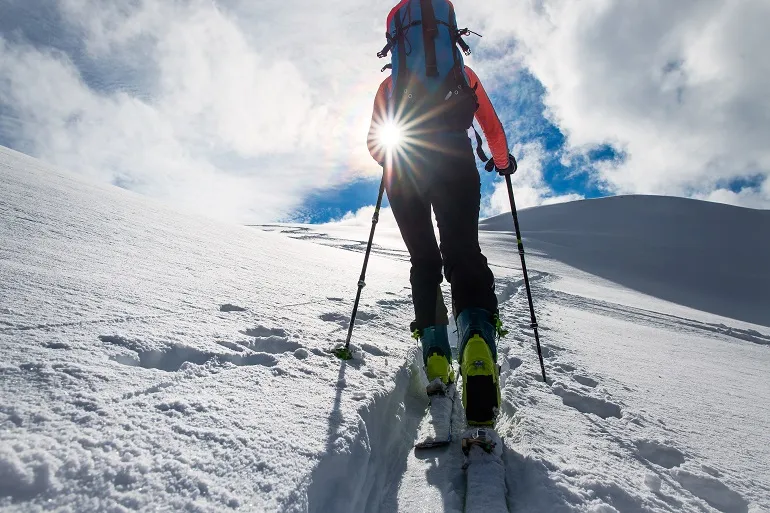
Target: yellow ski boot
x=437, y=355
x=478, y=367
x=438, y=367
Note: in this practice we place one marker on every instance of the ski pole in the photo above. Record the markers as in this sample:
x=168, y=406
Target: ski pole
x=344, y=352
x=533, y=323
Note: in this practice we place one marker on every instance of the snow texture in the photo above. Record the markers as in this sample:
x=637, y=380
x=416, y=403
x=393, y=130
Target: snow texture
x=154, y=361
x=436, y=426
x=485, y=476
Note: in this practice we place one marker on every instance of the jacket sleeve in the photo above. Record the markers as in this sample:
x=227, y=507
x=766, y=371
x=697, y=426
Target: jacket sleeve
x=379, y=115
x=490, y=123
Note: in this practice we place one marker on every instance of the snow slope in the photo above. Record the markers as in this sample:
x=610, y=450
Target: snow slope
x=154, y=361
x=708, y=256
x=125, y=386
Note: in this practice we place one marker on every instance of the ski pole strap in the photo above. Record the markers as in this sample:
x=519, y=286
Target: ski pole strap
x=480, y=150
x=490, y=163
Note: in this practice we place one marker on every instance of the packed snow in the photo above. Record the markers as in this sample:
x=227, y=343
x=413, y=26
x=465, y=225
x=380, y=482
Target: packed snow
x=158, y=361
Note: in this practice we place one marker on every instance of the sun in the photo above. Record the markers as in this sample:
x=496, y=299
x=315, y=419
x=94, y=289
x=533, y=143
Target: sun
x=390, y=135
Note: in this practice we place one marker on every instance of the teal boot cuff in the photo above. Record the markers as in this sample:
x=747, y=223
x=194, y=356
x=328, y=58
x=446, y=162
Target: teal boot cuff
x=480, y=321
x=435, y=340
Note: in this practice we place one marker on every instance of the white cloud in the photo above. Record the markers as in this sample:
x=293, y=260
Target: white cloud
x=236, y=119
x=363, y=218
x=529, y=186
x=238, y=108
x=746, y=197
x=680, y=87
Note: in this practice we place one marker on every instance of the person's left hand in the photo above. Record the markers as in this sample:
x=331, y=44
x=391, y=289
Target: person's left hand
x=511, y=169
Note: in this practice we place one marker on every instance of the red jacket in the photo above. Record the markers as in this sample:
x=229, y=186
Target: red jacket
x=485, y=115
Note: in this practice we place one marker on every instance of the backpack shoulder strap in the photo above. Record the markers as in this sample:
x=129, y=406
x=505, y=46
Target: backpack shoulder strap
x=400, y=48
x=429, y=34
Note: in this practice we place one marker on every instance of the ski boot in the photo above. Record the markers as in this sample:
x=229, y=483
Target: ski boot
x=437, y=357
x=478, y=366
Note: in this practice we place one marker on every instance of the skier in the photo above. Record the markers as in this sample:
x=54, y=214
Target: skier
x=434, y=166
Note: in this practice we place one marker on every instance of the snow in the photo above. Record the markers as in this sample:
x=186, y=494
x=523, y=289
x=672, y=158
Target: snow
x=708, y=256
x=155, y=361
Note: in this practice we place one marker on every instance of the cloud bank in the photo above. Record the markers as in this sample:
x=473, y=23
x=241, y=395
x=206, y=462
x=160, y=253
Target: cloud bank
x=240, y=109
x=196, y=102
x=679, y=89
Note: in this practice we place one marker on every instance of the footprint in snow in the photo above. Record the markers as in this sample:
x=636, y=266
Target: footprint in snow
x=550, y=351
x=587, y=404
x=393, y=304
x=262, y=331
x=269, y=340
x=176, y=357
x=365, y=316
x=335, y=317
x=374, y=350
x=564, y=367
x=659, y=453
x=712, y=491
x=508, y=291
x=56, y=345
x=514, y=362
x=344, y=319
x=231, y=345
x=585, y=380
x=227, y=307
x=180, y=407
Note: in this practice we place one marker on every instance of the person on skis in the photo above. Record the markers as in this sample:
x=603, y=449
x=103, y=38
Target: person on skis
x=431, y=99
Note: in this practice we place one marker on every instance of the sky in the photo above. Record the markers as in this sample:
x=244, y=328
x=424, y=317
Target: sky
x=258, y=111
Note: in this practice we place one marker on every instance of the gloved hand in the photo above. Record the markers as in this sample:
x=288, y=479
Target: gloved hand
x=512, y=166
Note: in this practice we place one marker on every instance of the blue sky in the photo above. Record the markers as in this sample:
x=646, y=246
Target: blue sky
x=333, y=203
x=241, y=110
x=521, y=101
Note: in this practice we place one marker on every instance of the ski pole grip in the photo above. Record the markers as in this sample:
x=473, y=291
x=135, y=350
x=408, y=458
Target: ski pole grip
x=512, y=167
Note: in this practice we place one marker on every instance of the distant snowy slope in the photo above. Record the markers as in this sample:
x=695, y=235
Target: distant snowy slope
x=708, y=256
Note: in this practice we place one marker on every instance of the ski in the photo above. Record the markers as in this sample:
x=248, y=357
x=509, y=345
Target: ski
x=484, y=471
x=436, y=428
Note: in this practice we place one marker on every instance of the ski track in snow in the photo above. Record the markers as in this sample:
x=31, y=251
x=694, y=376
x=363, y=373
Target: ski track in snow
x=640, y=445
x=144, y=369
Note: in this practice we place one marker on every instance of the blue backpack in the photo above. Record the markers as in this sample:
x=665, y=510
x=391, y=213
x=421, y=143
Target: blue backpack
x=430, y=87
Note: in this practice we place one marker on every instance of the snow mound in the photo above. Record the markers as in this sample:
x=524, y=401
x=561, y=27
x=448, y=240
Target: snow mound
x=708, y=256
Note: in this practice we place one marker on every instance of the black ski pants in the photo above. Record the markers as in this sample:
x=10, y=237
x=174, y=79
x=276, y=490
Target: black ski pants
x=441, y=172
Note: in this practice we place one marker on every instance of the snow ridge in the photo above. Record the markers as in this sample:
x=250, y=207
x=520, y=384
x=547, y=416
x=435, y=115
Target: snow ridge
x=358, y=464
